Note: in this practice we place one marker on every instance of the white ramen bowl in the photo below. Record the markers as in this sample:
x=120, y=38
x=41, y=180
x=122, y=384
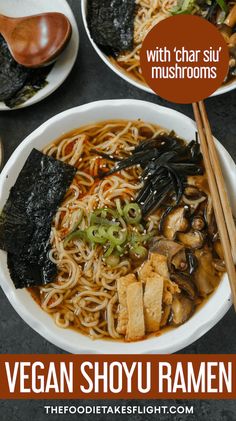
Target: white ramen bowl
x=70, y=340
x=123, y=74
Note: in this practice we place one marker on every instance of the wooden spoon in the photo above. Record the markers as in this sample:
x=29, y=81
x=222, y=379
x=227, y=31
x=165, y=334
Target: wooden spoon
x=36, y=40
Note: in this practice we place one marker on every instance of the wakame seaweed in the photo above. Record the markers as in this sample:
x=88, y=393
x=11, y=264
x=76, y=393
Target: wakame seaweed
x=111, y=24
x=26, y=219
x=18, y=83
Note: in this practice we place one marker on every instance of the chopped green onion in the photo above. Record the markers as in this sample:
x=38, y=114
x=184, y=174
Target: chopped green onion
x=102, y=232
x=104, y=212
x=120, y=250
x=183, y=7
x=93, y=235
x=140, y=228
x=109, y=251
x=101, y=221
x=223, y=5
x=122, y=222
x=110, y=228
x=182, y=12
x=145, y=237
x=140, y=238
x=187, y=4
x=116, y=235
x=139, y=251
x=132, y=213
x=113, y=260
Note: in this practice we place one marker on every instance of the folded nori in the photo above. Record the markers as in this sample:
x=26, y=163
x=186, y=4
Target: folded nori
x=18, y=83
x=26, y=219
x=111, y=23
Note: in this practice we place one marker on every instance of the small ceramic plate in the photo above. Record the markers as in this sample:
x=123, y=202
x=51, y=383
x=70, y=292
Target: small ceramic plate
x=64, y=64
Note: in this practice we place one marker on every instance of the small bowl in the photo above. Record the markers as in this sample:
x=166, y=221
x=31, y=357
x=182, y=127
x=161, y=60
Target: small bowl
x=65, y=62
x=70, y=340
x=123, y=74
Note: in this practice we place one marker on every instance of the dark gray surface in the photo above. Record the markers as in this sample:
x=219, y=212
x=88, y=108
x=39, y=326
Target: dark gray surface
x=91, y=80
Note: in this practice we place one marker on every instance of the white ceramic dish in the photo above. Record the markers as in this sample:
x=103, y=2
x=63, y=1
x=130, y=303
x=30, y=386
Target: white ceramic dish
x=124, y=75
x=64, y=64
x=31, y=313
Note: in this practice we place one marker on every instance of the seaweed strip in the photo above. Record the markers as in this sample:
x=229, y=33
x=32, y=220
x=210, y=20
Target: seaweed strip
x=111, y=24
x=18, y=83
x=26, y=219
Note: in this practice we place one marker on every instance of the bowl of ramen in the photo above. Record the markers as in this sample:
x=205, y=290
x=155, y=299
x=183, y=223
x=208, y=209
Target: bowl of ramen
x=114, y=240
x=117, y=31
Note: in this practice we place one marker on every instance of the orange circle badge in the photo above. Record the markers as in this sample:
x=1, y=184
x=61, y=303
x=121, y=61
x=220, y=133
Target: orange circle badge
x=184, y=59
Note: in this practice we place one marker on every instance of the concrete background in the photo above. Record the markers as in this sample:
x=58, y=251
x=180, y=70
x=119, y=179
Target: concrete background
x=91, y=80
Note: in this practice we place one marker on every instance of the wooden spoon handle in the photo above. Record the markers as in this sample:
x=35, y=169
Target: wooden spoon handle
x=3, y=24
x=6, y=24
x=3, y=19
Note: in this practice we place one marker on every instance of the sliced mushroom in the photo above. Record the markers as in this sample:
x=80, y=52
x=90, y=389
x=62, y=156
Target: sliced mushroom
x=165, y=247
x=165, y=315
x=193, y=196
x=174, y=252
x=182, y=309
x=232, y=71
x=220, y=16
x=179, y=261
x=198, y=181
x=192, y=261
x=232, y=52
x=169, y=292
x=174, y=222
x=232, y=63
x=193, y=239
x=206, y=277
x=185, y=284
x=226, y=32
x=198, y=223
x=232, y=44
x=219, y=265
x=231, y=18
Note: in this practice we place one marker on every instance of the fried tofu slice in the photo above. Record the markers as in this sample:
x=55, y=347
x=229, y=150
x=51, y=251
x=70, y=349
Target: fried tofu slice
x=122, y=284
x=136, y=325
x=155, y=265
x=145, y=271
x=159, y=264
x=153, y=303
x=170, y=289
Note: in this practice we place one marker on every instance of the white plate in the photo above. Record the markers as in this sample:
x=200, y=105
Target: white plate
x=124, y=75
x=64, y=64
x=69, y=340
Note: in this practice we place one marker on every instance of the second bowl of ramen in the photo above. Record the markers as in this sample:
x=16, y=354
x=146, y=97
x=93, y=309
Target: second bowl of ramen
x=141, y=19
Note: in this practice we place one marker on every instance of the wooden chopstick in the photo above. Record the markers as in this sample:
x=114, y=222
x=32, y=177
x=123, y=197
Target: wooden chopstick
x=219, y=180
x=221, y=209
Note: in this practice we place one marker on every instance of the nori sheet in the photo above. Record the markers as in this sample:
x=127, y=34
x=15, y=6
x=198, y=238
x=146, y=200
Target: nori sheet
x=18, y=83
x=26, y=219
x=111, y=24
